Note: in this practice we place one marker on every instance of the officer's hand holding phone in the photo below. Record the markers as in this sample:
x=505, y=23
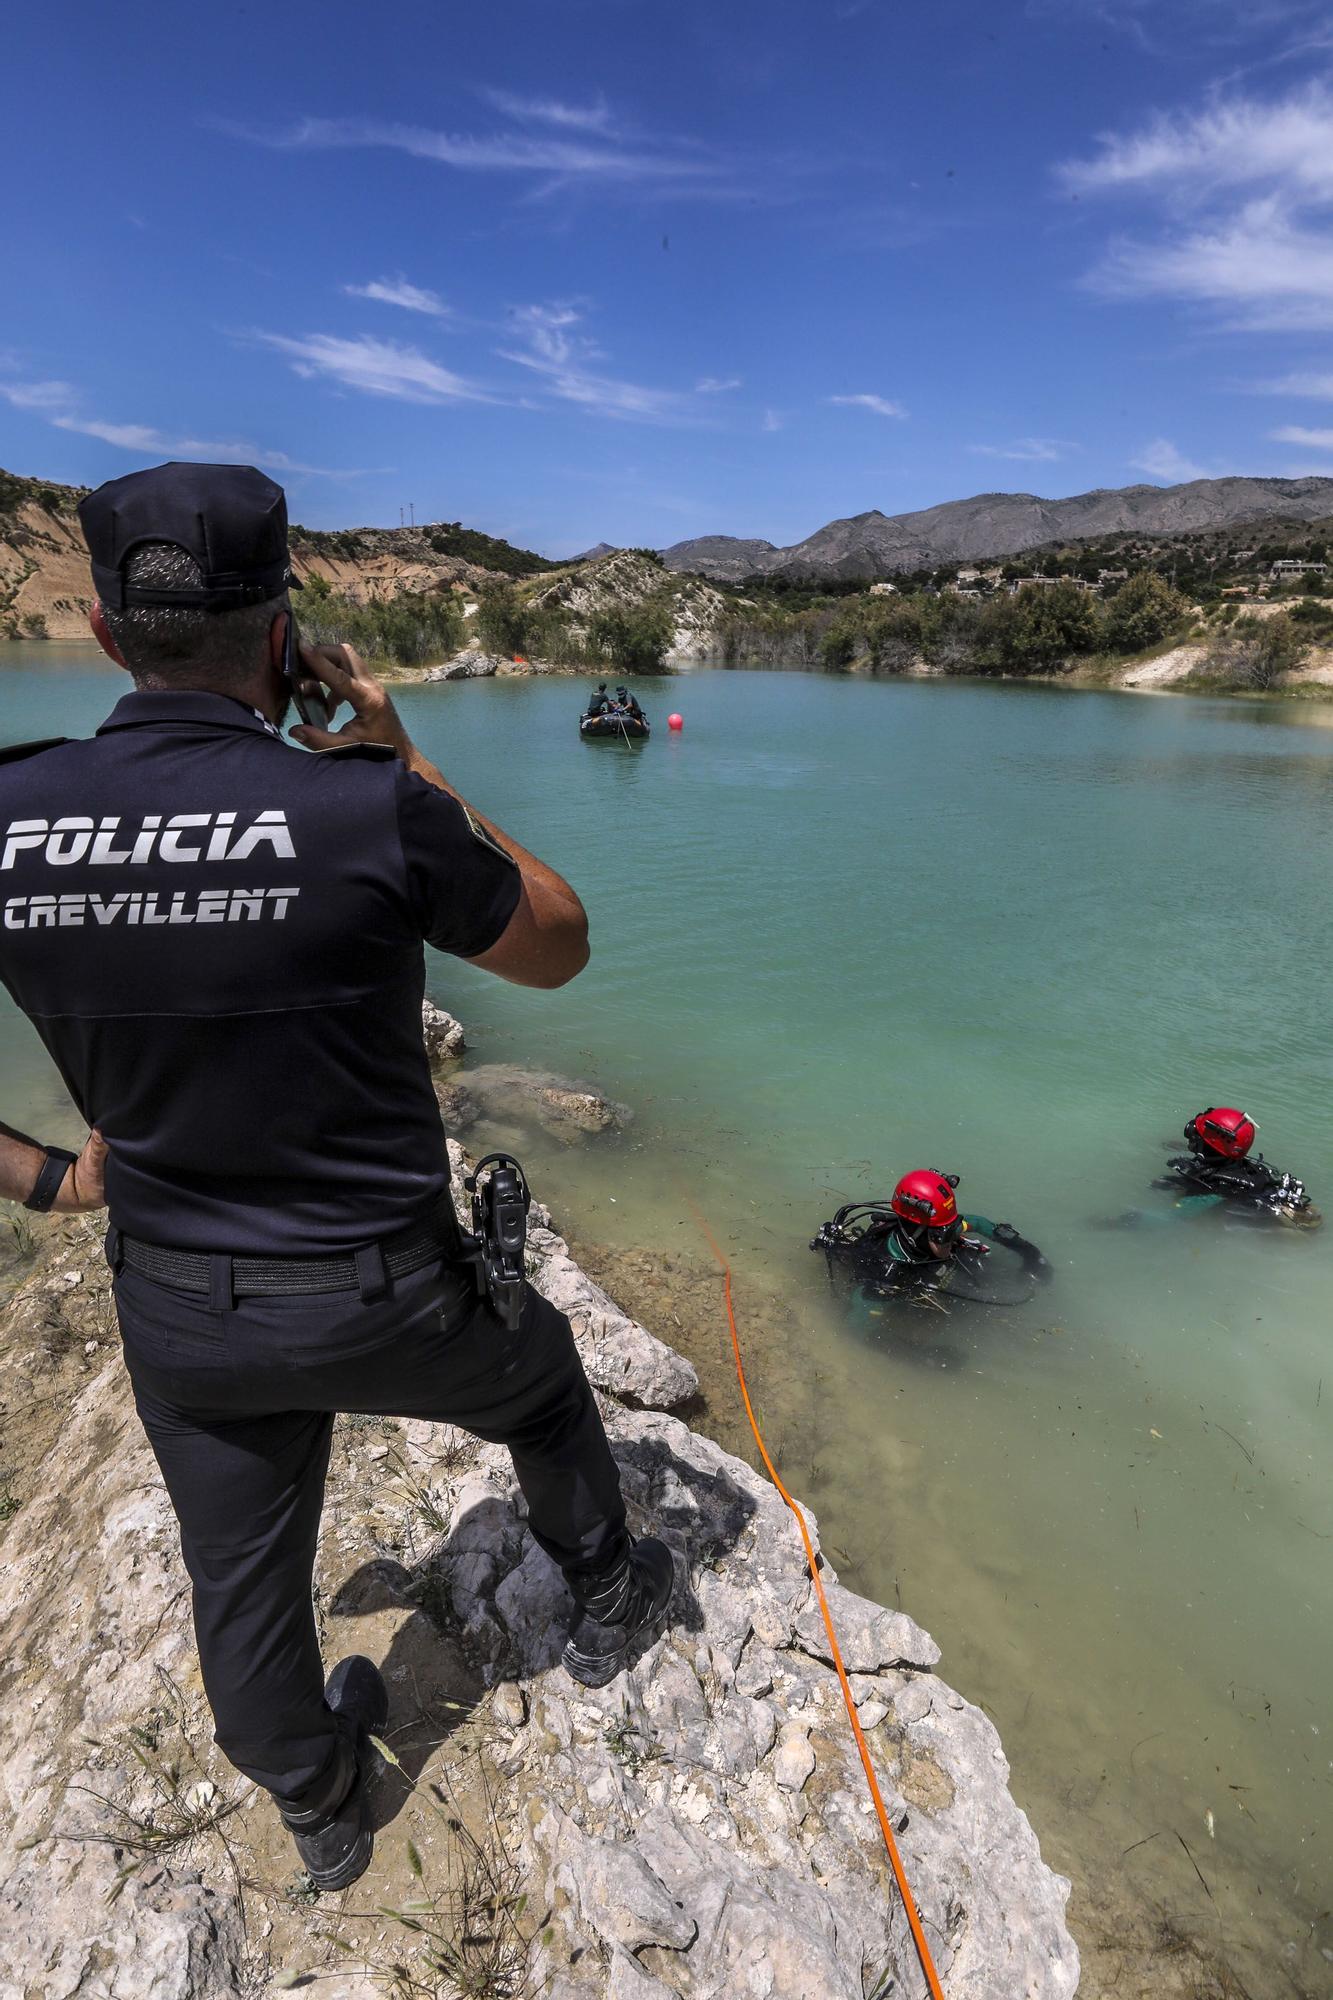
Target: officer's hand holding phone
x=345, y=675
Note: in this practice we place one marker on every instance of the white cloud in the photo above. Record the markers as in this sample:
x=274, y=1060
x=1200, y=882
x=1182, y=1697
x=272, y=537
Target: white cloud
x=772, y=421
x=399, y=292
x=561, y=357
x=1037, y=450
x=1285, y=144
x=145, y=438
x=716, y=385
x=1256, y=177
x=1297, y=434
x=881, y=405
x=1162, y=460
x=58, y=403
x=38, y=395
x=375, y=367
x=1272, y=274
x=550, y=111
x=1318, y=387
x=590, y=157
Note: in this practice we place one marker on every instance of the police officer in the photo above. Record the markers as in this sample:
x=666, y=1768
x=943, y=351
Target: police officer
x=219, y=939
x=599, y=702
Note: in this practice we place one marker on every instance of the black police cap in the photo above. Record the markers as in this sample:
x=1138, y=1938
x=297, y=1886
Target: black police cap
x=230, y=518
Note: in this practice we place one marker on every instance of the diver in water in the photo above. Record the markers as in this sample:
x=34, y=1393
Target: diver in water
x=916, y=1245
x=1219, y=1172
x=628, y=705
x=601, y=701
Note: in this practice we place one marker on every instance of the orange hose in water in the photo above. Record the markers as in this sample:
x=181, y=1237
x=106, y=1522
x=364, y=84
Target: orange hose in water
x=891, y=1845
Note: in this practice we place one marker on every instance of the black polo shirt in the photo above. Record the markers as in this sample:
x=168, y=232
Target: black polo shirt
x=219, y=939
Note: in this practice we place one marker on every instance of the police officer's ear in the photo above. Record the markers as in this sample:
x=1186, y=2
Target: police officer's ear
x=102, y=633
x=277, y=637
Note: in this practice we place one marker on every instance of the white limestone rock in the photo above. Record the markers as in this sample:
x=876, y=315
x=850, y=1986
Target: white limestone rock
x=445, y=1041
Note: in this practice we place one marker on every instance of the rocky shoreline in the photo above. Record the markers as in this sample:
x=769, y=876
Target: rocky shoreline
x=700, y=1828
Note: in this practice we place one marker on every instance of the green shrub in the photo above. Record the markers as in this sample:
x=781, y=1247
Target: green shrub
x=632, y=638
x=1257, y=652
x=450, y=538
x=413, y=629
x=502, y=620
x=1143, y=610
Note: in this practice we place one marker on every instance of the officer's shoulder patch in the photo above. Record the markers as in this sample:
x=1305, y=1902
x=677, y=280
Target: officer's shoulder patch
x=14, y=753
x=484, y=837
x=374, y=753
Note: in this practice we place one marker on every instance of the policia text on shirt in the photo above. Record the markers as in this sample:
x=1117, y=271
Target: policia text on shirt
x=219, y=940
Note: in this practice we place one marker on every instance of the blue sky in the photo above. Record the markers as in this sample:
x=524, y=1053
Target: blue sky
x=599, y=270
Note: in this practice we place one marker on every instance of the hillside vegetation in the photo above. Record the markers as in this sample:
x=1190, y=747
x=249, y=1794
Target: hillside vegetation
x=1102, y=611
x=622, y=611
x=46, y=591
x=1102, y=605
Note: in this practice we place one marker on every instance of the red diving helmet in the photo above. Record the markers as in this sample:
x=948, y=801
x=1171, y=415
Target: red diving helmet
x=925, y=1199
x=1224, y=1131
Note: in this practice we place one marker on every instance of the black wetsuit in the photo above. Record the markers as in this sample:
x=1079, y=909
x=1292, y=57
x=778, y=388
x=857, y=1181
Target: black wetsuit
x=886, y=1260
x=1248, y=1188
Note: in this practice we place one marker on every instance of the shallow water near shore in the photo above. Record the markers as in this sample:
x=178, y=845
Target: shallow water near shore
x=841, y=929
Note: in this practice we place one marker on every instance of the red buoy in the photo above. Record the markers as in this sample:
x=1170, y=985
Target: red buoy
x=675, y=722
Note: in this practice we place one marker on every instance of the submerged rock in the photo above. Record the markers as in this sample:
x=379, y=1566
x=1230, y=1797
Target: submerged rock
x=564, y=1109
x=469, y=665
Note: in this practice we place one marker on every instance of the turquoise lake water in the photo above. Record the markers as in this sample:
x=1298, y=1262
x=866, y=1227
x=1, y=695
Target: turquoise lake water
x=843, y=929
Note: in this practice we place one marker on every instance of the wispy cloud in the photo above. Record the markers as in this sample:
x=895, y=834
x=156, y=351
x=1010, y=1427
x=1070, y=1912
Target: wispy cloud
x=1297, y=434
x=551, y=111
x=1162, y=460
x=374, y=367
x=1285, y=144
x=552, y=349
x=584, y=157
x=1036, y=450
x=717, y=385
x=773, y=420
x=1246, y=187
x=1268, y=273
x=399, y=292
x=146, y=439
x=58, y=404
x=39, y=396
x=1317, y=387
x=881, y=405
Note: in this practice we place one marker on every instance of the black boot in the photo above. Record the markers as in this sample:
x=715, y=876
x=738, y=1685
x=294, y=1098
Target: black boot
x=615, y=1609
x=331, y=1827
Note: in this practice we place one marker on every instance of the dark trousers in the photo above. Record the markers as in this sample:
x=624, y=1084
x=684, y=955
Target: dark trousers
x=238, y=1405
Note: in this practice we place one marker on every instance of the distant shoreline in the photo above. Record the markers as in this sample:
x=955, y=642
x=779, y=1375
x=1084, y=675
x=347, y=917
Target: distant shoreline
x=1313, y=684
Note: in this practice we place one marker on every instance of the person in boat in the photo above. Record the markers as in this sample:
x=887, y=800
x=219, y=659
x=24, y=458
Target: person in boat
x=1220, y=1172
x=601, y=701
x=917, y=1242
x=627, y=705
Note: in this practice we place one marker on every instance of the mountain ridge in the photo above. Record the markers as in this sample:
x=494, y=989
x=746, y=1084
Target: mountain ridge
x=985, y=526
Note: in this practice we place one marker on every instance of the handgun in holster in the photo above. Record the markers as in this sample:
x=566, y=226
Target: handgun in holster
x=495, y=1243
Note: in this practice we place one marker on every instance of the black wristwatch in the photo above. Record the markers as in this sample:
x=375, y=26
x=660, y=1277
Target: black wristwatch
x=53, y=1170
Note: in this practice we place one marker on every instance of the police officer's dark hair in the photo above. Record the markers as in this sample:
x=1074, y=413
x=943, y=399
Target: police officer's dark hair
x=166, y=646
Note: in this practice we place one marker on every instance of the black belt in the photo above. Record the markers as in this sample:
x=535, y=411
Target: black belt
x=368, y=1269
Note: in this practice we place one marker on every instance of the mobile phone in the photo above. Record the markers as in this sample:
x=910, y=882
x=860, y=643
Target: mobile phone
x=310, y=696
